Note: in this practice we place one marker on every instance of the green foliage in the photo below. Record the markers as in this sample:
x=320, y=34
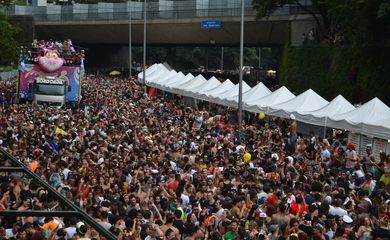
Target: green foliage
x=6, y=3
x=359, y=74
x=361, y=22
x=265, y=7
x=8, y=46
x=384, y=9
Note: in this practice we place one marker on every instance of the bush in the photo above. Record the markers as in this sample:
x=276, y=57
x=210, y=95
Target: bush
x=359, y=74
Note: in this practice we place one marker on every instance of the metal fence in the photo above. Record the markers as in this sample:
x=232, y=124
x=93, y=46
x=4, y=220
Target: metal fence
x=8, y=75
x=67, y=13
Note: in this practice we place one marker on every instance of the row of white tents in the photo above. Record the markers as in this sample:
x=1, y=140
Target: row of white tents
x=371, y=119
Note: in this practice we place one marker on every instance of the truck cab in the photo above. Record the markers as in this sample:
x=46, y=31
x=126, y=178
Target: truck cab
x=49, y=91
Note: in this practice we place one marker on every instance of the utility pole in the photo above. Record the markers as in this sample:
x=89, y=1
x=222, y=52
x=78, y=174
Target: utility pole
x=221, y=58
x=130, y=43
x=241, y=66
x=144, y=64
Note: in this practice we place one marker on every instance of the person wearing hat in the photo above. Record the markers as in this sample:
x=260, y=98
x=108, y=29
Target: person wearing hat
x=82, y=230
x=348, y=227
x=351, y=157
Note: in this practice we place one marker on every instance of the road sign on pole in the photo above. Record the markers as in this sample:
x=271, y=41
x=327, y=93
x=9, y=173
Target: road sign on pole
x=211, y=24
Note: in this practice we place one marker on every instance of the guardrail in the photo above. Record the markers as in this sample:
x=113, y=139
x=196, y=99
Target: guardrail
x=8, y=75
x=72, y=209
x=123, y=14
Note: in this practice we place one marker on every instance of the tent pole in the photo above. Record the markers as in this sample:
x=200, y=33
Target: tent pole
x=326, y=122
x=360, y=138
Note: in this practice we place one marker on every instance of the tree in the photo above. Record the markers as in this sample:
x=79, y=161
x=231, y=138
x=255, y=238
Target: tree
x=266, y=7
x=361, y=22
x=9, y=50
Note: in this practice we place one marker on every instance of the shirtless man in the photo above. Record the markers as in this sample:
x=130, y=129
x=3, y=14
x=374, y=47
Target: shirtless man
x=169, y=225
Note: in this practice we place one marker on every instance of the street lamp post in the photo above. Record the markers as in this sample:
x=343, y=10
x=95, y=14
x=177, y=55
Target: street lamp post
x=130, y=43
x=222, y=59
x=241, y=68
x=144, y=63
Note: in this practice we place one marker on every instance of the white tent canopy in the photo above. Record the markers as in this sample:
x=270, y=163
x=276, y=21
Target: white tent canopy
x=149, y=70
x=372, y=111
x=158, y=73
x=163, y=84
x=319, y=117
x=378, y=128
x=306, y=101
x=222, y=97
x=372, y=118
x=154, y=70
x=152, y=81
x=224, y=87
x=261, y=105
x=173, y=85
x=258, y=91
x=210, y=84
x=186, y=88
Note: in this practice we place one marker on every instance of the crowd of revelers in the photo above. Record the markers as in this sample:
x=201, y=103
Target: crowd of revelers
x=66, y=45
x=65, y=48
x=152, y=167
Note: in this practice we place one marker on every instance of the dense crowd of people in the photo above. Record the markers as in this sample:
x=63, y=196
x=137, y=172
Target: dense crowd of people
x=65, y=48
x=152, y=167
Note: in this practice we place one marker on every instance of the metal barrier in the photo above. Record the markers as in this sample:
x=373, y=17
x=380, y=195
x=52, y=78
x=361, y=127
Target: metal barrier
x=66, y=13
x=73, y=210
x=8, y=75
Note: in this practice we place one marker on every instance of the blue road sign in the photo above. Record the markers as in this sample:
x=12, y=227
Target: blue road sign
x=211, y=23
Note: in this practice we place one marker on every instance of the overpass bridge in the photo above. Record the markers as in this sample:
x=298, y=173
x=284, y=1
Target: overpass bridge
x=169, y=23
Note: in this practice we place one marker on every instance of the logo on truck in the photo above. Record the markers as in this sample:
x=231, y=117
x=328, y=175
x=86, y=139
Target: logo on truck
x=50, y=81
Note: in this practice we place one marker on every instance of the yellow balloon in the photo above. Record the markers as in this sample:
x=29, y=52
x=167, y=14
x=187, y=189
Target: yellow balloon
x=261, y=115
x=247, y=157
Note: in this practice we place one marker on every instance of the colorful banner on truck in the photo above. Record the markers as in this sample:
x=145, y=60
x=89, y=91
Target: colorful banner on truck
x=28, y=72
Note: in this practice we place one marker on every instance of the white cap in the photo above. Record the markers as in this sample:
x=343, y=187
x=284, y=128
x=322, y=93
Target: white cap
x=251, y=165
x=292, y=116
x=290, y=159
x=347, y=219
x=154, y=171
x=101, y=160
x=276, y=156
